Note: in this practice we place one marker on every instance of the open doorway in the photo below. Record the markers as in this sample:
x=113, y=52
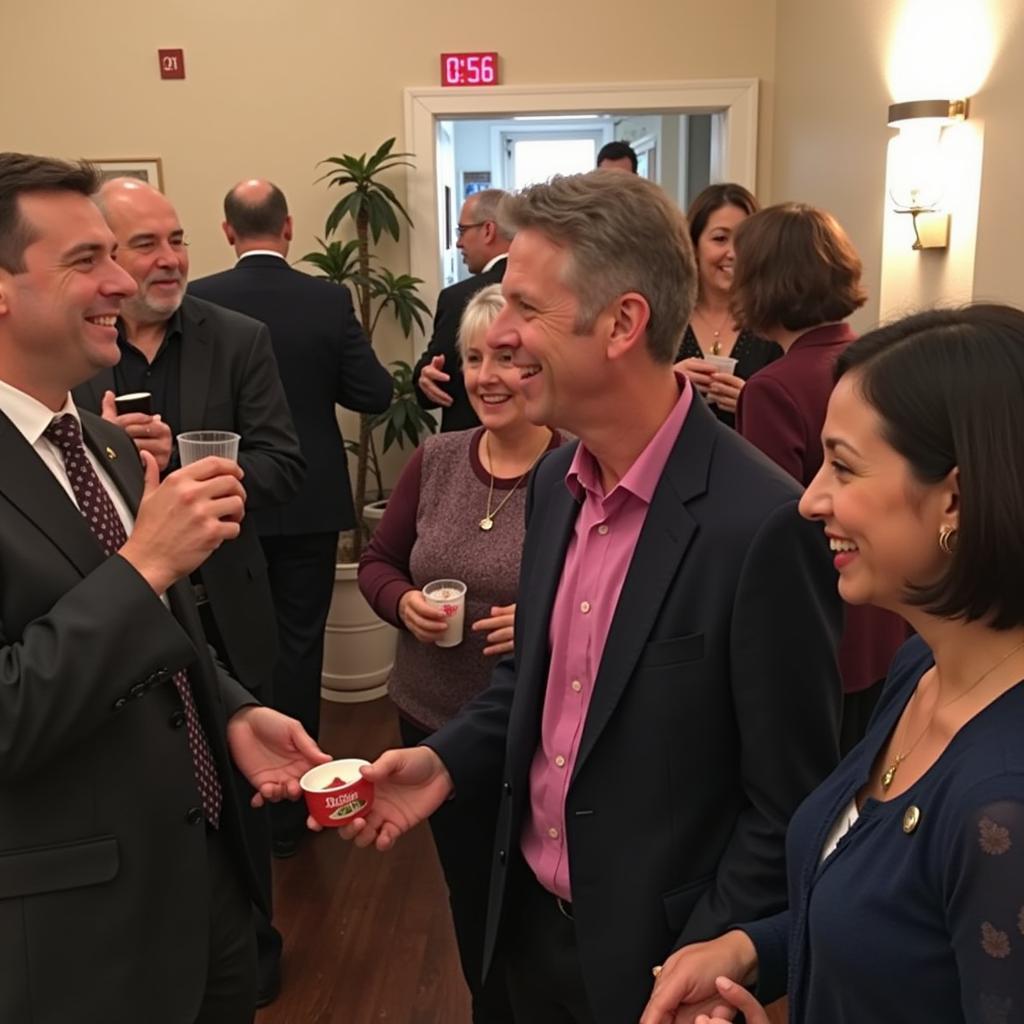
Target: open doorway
x=473, y=154
x=699, y=132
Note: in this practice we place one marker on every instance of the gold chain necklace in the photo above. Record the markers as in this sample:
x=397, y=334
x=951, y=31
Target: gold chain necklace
x=716, y=344
x=890, y=772
x=487, y=523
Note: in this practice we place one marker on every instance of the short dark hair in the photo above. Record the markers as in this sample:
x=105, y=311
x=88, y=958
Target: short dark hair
x=23, y=173
x=256, y=220
x=795, y=268
x=618, y=151
x=947, y=385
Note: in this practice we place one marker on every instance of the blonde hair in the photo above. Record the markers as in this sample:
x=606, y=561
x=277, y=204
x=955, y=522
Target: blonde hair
x=481, y=311
x=623, y=234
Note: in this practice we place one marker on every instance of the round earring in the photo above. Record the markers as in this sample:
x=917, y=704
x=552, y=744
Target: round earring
x=947, y=539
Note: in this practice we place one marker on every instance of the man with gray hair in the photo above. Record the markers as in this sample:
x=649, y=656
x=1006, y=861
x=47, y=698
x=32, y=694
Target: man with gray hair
x=484, y=246
x=673, y=694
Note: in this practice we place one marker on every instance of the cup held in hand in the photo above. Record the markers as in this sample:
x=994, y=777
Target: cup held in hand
x=336, y=792
x=137, y=401
x=198, y=444
x=450, y=597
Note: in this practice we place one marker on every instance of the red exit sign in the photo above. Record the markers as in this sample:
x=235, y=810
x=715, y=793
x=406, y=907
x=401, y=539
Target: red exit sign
x=172, y=63
x=469, y=69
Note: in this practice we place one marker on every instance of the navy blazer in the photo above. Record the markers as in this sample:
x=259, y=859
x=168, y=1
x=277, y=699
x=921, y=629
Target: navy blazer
x=715, y=710
x=325, y=359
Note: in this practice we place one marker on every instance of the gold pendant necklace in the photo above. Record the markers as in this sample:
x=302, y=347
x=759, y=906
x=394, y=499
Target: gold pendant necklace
x=716, y=343
x=487, y=523
x=889, y=774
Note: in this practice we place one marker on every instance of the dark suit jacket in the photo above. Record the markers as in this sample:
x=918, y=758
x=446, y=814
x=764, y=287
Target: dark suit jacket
x=103, y=910
x=325, y=359
x=451, y=303
x=715, y=711
x=229, y=381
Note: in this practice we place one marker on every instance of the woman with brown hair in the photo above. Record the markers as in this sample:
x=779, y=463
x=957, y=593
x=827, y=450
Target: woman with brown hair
x=712, y=332
x=797, y=279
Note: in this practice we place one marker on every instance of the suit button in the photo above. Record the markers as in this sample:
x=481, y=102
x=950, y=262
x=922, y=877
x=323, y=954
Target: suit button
x=507, y=787
x=120, y=703
x=502, y=856
x=194, y=815
x=137, y=690
x=177, y=720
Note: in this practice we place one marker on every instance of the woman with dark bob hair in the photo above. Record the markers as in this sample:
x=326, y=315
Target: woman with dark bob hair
x=797, y=279
x=712, y=332
x=906, y=866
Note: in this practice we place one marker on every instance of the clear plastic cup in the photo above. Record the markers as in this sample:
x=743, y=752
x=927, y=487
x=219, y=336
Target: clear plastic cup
x=197, y=444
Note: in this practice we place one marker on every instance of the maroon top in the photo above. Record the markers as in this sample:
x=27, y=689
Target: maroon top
x=782, y=411
x=430, y=531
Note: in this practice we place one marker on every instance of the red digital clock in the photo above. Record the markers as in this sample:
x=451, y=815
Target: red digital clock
x=469, y=69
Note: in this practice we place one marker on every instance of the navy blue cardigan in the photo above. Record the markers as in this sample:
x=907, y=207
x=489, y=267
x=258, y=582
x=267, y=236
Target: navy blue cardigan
x=906, y=925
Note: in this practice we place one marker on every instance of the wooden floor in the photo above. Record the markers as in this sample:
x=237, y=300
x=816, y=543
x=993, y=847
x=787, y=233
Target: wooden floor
x=367, y=935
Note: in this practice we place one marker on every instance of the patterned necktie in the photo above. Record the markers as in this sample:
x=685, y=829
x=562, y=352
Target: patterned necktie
x=99, y=512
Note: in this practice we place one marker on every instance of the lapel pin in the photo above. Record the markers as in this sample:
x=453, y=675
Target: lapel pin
x=111, y=454
x=911, y=819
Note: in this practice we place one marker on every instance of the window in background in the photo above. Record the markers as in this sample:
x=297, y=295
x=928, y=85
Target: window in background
x=531, y=159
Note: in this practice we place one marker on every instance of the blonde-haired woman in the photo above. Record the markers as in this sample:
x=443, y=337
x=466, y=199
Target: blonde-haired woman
x=458, y=511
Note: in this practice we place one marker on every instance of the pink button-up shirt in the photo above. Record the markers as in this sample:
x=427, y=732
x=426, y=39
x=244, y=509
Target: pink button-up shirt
x=596, y=561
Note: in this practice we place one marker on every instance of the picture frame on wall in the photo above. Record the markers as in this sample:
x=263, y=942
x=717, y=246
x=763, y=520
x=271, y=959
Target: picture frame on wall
x=148, y=169
x=475, y=181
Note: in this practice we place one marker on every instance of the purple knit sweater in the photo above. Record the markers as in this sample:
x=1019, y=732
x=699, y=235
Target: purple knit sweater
x=431, y=531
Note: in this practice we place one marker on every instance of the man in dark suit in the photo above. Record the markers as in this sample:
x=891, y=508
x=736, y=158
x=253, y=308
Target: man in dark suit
x=325, y=360
x=207, y=368
x=673, y=694
x=484, y=246
x=125, y=888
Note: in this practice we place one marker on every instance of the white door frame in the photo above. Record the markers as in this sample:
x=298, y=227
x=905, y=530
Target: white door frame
x=734, y=98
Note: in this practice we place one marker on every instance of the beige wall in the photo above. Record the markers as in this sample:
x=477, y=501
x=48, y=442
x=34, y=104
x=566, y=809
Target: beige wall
x=838, y=67
x=273, y=87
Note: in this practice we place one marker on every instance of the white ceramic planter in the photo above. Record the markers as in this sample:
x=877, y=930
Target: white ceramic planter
x=359, y=648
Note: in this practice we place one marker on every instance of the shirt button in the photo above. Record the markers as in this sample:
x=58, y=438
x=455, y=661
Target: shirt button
x=553, y=832
x=584, y=607
x=577, y=685
x=560, y=761
x=602, y=529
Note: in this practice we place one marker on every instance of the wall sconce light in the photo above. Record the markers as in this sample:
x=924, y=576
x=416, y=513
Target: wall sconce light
x=916, y=180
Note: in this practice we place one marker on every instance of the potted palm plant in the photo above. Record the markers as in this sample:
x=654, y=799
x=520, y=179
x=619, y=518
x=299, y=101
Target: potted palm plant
x=359, y=647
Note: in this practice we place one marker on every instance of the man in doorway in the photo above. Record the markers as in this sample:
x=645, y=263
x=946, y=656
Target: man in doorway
x=126, y=886
x=206, y=368
x=325, y=360
x=484, y=246
x=617, y=156
x=675, y=613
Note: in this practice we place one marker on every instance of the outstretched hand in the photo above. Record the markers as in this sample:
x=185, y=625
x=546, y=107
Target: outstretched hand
x=273, y=752
x=409, y=785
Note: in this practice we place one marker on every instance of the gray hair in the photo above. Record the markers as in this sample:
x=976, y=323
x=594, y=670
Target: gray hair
x=623, y=234
x=485, y=207
x=481, y=311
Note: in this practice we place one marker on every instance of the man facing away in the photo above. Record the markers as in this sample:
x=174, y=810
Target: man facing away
x=438, y=374
x=125, y=889
x=673, y=693
x=325, y=360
